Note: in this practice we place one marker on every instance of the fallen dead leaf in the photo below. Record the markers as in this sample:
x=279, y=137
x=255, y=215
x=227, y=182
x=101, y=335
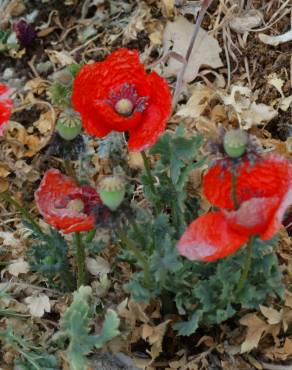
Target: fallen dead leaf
x=18, y=267
x=256, y=328
x=201, y=96
x=206, y=50
x=38, y=305
x=97, y=266
x=246, y=21
x=273, y=316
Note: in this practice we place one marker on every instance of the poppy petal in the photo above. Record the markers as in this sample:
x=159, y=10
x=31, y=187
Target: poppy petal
x=5, y=105
x=209, y=238
x=94, y=83
x=253, y=216
x=54, y=194
x=268, y=177
x=155, y=116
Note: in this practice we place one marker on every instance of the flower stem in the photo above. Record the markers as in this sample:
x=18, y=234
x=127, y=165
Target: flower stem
x=25, y=213
x=148, y=172
x=179, y=81
x=247, y=264
x=90, y=236
x=80, y=260
x=69, y=170
x=233, y=191
x=139, y=256
x=66, y=277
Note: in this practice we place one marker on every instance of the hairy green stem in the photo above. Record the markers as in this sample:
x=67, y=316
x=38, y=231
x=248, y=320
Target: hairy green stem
x=80, y=260
x=90, y=236
x=67, y=278
x=139, y=256
x=25, y=213
x=69, y=170
x=148, y=172
x=233, y=191
x=246, y=266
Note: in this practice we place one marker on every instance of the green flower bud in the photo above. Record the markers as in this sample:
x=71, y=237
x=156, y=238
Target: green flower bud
x=69, y=124
x=235, y=143
x=112, y=191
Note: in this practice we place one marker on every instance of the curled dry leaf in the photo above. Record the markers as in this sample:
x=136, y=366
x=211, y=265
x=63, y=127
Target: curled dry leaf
x=97, y=266
x=18, y=267
x=206, y=50
x=256, y=328
x=201, y=96
x=38, y=305
x=246, y=21
x=276, y=40
x=273, y=316
x=154, y=336
x=248, y=112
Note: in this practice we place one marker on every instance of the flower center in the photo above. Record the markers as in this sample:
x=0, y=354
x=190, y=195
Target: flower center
x=126, y=101
x=124, y=107
x=75, y=205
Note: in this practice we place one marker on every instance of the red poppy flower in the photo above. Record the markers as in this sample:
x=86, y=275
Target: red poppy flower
x=263, y=193
x=118, y=95
x=65, y=205
x=5, y=106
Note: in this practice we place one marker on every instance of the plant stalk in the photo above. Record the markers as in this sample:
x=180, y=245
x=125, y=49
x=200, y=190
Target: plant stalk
x=139, y=256
x=90, y=236
x=80, y=260
x=148, y=172
x=69, y=170
x=233, y=191
x=25, y=213
x=179, y=82
x=247, y=264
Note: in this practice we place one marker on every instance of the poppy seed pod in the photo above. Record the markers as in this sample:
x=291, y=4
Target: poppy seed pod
x=235, y=143
x=69, y=125
x=112, y=191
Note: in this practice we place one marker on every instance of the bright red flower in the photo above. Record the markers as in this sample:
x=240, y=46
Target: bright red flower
x=118, y=95
x=263, y=193
x=5, y=106
x=65, y=205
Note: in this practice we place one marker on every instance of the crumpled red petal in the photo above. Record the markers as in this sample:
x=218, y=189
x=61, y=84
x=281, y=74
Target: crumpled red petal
x=51, y=202
x=268, y=177
x=209, y=238
x=5, y=104
x=155, y=116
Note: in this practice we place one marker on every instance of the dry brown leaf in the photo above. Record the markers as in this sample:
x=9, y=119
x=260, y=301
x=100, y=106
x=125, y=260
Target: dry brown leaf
x=288, y=299
x=97, y=266
x=201, y=96
x=167, y=7
x=273, y=316
x=206, y=50
x=133, y=312
x=246, y=21
x=154, y=336
x=38, y=305
x=256, y=328
x=247, y=111
x=18, y=267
